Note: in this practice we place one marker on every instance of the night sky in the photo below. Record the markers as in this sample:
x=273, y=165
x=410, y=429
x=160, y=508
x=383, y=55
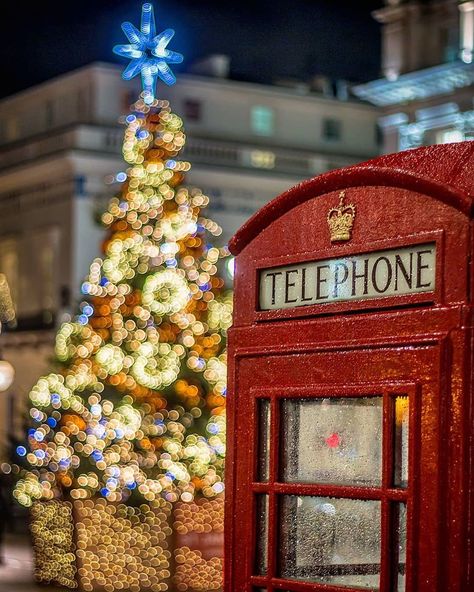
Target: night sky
x=266, y=39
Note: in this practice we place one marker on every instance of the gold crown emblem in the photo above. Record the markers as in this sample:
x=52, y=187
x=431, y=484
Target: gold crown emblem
x=341, y=220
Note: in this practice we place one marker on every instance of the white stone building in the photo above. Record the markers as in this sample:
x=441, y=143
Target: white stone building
x=427, y=95
x=61, y=139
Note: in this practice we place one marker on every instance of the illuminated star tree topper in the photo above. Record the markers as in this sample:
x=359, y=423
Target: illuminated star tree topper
x=148, y=54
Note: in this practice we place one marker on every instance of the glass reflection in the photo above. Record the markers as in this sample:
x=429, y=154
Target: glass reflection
x=332, y=440
x=261, y=547
x=329, y=540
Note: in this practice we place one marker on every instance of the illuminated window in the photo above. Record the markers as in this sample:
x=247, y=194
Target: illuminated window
x=262, y=120
x=449, y=136
x=262, y=159
x=331, y=129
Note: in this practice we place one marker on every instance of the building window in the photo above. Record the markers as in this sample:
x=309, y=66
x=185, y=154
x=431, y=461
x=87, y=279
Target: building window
x=449, y=136
x=41, y=283
x=262, y=159
x=448, y=43
x=332, y=129
x=46, y=260
x=378, y=135
x=113, y=139
x=262, y=120
x=192, y=110
x=467, y=31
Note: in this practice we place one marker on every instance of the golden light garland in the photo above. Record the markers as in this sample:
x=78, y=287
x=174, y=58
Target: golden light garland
x=53, y=546
x=165, y=292
x=204, y=517
x=199, y=524
x=194, y=573
x=123, y=548
x=118, y=547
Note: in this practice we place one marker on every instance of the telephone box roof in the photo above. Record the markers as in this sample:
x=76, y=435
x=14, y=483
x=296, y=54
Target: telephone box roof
x=440, y=171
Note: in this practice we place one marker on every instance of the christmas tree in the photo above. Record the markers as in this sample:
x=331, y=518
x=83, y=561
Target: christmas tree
x=135, y=410
x=130, y=427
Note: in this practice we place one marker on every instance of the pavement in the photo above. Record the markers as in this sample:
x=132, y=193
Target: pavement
x=16, y=571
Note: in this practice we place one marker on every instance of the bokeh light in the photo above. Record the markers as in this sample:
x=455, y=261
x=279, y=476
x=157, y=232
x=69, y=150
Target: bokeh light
x=132, y=420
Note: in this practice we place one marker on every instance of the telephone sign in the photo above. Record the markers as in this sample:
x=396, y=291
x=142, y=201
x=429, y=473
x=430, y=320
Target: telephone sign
x=370, y=275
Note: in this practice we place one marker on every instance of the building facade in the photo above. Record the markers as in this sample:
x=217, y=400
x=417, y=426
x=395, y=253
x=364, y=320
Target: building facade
x=60, y=158
x=426, y=95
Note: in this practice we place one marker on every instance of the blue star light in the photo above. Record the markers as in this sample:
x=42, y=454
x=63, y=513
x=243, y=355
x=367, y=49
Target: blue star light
x=148, y=54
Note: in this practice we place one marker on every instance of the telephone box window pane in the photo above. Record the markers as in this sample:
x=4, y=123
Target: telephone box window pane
x=261, y=548
x=400, y=477
x=332, y=440
x=263, y=458
x=402, y=547
x=330, y=540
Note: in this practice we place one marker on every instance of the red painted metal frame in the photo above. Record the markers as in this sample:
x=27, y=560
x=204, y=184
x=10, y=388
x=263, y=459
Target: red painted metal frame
x=423, y=343
x=368, y=388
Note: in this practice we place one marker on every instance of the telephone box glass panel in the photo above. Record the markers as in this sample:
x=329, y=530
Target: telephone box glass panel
x=261, y=548
x=401, y=535
x=331, y=541
x=263, y=459
x=332, y=441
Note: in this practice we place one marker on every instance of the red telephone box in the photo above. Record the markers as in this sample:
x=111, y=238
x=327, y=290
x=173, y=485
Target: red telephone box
x=350, y=460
